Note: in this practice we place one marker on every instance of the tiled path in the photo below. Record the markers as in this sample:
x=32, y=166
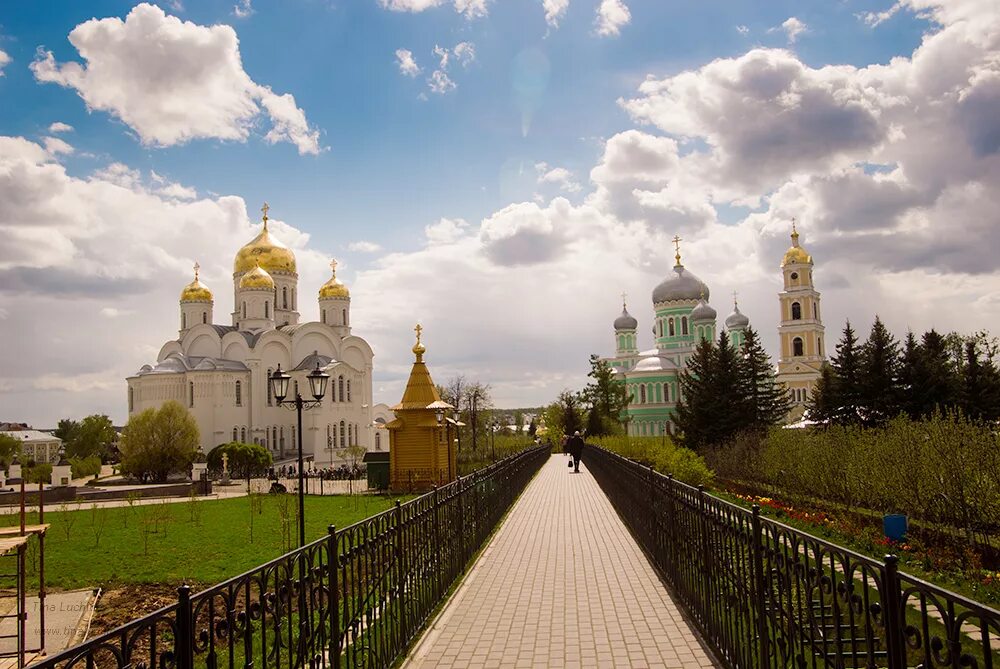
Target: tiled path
x=562, y=584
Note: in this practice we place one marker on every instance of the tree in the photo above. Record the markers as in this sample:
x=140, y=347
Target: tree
x=159, y=442
x=879, y=376
x=607, y=398
x=9, y=447
x=477, y=402
x=846, y=364
x=822, y=404
x=767, y=401
x=935, y=383
x=909, y=362
x=245, y=461
x=532, y=428
x=564, y=416
x=67, y=430
x=980, y=394
x=94, y=436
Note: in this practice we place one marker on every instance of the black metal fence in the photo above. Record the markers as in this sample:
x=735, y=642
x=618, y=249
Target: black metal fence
x=765, y=595
x=355, y=598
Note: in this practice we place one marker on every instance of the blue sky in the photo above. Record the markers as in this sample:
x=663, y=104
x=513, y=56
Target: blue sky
x=396, y=158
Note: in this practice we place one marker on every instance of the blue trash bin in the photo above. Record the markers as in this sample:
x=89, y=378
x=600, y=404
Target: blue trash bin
x=894, y=526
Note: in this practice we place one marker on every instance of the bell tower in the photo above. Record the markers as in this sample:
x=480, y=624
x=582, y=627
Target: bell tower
x=801, y=332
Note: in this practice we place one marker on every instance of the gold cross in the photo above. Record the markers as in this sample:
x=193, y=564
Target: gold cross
x=794, y=231
x=333, y=265
x=677, y=246
x=418, y=330
x=196, y=268
x=624, y=298
x=266, y=208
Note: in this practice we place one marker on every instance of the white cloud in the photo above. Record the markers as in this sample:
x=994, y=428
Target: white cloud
x=465, y=52
x=743, y=30
x=444, y=56
x=4, y=60
x=364, y=247
x=55, y=146
x=471, y=9
x=558, y=176
x=440, y=82
x=611, y=16
x=59, y=126
x=407, y=64
x=792, y=27
x=172, y=81
x=243, y=9
x=555, y=10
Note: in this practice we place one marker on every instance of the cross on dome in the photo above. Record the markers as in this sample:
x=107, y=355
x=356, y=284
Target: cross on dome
x=418, y=330
x=266, y=208
x=196, y=268
x=624, y=299
x=735, y=302
x=333, y=265
x=677, y=247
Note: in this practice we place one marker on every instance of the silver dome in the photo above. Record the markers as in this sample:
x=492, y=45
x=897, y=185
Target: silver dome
x=703, y=312
x=736, y=320
x=626, y=321
x=684, y=286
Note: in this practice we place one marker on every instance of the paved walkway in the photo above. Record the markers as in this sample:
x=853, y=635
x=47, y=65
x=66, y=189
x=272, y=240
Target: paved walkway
x=562, y=584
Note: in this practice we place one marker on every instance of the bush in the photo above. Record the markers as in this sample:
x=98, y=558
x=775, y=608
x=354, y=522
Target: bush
x=159, y=442
x=85, y=467
x=40, y=473
x=662, y=454
x=246, y=461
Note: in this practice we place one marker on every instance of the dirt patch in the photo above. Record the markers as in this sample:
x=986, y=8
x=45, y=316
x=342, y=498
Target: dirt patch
x=118, y=606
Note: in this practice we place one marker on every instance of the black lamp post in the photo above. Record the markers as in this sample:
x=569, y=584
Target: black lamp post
x=317, y=386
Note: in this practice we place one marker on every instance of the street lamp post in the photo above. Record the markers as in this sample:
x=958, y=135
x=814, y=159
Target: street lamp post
x=317, y=386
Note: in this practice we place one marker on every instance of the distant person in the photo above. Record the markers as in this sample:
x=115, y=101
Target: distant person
x=574, y=446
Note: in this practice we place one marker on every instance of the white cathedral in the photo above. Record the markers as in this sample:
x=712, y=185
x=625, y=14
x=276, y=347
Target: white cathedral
x=220, y=372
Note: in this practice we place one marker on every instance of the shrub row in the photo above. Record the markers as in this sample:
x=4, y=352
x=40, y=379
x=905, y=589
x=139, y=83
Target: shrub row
x=662, y=454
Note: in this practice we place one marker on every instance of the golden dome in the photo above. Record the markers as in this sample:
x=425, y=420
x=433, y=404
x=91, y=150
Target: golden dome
x=333, y=288
x=257, y=279
x=264, y=249
x=196, y=291
x=795, y=253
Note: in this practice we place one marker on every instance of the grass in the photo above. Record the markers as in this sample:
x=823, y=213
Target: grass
x=201, y=542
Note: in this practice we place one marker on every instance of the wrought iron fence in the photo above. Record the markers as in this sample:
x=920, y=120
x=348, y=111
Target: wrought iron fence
x=355, y=598
x=765, y=595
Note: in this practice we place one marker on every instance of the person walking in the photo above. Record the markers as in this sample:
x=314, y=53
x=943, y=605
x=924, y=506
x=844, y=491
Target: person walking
x=575, y=448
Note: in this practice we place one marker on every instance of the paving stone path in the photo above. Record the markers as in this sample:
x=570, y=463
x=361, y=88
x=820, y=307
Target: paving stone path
x=562, y=584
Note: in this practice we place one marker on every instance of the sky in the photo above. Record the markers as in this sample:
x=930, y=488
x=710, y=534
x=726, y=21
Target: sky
x=500, y=171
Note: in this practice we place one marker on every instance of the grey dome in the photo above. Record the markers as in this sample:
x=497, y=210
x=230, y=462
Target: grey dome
x=654, y=363
x=703, y=312
x=684, y=286
x=626, y=321
x=736, y=320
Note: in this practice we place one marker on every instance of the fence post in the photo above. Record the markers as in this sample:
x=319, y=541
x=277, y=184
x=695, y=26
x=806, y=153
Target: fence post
x=654, y=524
x=400, y=575
x=895, y=617
x=333, y=565
x=183, y=644
x=461, y=520
x=671, y=533
x=437, y=543
x=706, y=561
x=760, y=583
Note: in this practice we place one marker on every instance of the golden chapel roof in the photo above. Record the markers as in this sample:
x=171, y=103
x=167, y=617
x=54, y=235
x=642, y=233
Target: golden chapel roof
x=196, y=291
x=333, y=287
x=420, y=393
x=795, y=253
x=266, y=251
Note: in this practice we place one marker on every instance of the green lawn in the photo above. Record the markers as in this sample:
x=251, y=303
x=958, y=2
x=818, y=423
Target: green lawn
x=194, y=542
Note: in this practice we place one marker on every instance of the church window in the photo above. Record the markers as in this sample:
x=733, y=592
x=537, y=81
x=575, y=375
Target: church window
x=659, y=396
x=204, y=318
x=284, y=297
x=239, y=394
x=244, y=310
x=670, y=327
x=131, y=400
x=348, y=390
x=819, y=345
x=270, y=393
x=343, y=316
x=274, y=437
x=324, y=316
x=815, y=311
x=329, y=435
x=794, y=276
x=281, y=439
x=797, y=346
x=343, y=429
x=191, y=393
x=184, y=321
x=267, y=309
x=234, y=434
x=340, y=388
x=660, y=323
x=642, y=393
x=350, y=434
x=378, y=441
x=684, y=325
x=796, y=311
x=243, y=435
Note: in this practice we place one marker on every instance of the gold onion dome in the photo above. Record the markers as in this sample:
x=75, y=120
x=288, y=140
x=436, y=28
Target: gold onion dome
x=266, y=251
x=333, y=288
x=258, y=279
x=196, y=291
x=795, y=253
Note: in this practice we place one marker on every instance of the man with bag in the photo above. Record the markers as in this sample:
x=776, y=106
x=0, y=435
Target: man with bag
x=574, y=446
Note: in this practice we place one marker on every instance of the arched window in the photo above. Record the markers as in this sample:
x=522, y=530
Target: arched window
x=684, y=325
x=797, y=346
x=234, y=434
x=239, y=394
x=343, y=316
x=796, y=311
x=270, y=391
x=191, y=393
x=660, y=323
x=350, y=434
x=324, y=316
x=267, y=309
x=815, y=311
x=343, y=432
x=348, y=390
x=243, y=435
x=274, y=437
x=666, y=392
x=378, y=441
x=329, y=435
x=131, y=399
x=819, y=345
x=204, y=317
x=244, y=310
x=284, y=297
x=670, y=327
x=184, y=321
x=642, y=393
x=340, y=388
x=281, y=439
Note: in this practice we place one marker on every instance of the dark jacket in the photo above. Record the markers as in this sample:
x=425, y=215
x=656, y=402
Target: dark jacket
x=575, y=446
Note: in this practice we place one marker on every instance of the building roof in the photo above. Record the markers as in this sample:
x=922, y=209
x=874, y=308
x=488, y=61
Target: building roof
x=31, y=436
x=420, y=393
x=178, y=363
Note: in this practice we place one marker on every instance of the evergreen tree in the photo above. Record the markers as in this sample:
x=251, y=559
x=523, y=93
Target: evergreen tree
x=823, y=401
x=935, y=384
x=607, y=398
x=694, y=410
x=980, y=395
x=847, y=367
x=909, y=363
x=767, y=401
x=729, y=401
x=879, y=376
